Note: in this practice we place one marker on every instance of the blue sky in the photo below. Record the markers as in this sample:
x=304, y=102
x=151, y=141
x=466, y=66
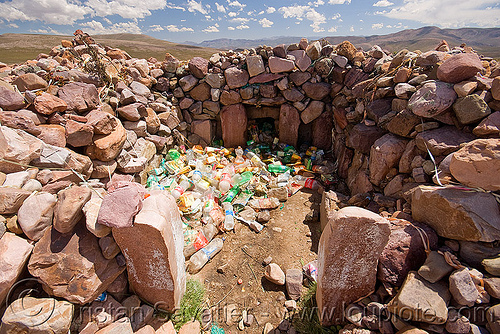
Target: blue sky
x=198, y=20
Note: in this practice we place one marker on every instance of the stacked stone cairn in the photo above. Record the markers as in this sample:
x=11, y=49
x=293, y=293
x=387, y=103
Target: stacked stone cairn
x=410, y=233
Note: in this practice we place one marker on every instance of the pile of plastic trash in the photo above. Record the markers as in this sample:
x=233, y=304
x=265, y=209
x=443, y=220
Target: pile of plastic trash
x=216, y=186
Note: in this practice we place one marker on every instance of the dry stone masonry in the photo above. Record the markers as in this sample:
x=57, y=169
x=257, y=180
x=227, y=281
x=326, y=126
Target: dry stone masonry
x=410, y=230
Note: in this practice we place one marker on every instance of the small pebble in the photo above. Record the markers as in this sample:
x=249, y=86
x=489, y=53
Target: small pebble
x=267, y=260
x=277, y=229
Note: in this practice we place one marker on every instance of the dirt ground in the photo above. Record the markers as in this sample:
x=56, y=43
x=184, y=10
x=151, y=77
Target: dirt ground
x=291, y=238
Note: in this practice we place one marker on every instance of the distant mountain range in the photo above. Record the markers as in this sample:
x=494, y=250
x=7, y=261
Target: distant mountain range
x=484, y=40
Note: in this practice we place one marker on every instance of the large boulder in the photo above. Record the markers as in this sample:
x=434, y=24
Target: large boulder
x=235, y=77
x=419, y=300
x=457, y=214
x=153, y=247
x=432, y=99
x=234, y=125
x=477, y=164
x=442, y=141
x=14, y=254
x=459, y=67
x=38, y=315
x=349, y=249
x=121, y=204
x=384, y=155
x=80, y=97
x=71, y=265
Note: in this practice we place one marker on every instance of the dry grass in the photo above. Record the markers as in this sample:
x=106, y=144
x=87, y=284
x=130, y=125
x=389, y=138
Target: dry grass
x=13, y=47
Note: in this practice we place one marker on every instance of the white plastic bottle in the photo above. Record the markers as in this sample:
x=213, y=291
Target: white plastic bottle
x=201, y=257
x=224, y=183
x=181, y=188
x=229, y=216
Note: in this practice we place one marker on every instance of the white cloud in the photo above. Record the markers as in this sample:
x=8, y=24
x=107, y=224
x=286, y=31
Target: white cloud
x=156, y=27
x=125, y=8
x=336, y=16
x=448, y=13
x=242, y=26
x=48, y=30
x=316, y=3
x=383, y=3
x=48, y=11
x=240, y=20
x=261, y=12
x=351, y=29
x=108, y=21
x=231, y=28
x=270, y=10
x=174, y=28
x=211, y=28
x=301, y=12
x=13, y=25
x=265, y=23
x=232, y=14
x=220, y=8
x=170, y=6
x=194, y=6
x=332, y=29
x=97, y=28
x=236, y=3
x=339, y=2
x=377, y=26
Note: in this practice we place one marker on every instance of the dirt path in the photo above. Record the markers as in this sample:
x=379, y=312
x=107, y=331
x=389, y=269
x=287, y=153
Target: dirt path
x=241, y=258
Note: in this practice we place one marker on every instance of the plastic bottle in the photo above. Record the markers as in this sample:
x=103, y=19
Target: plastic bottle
x=201, y=257
x=264, y=203
x=202, y=239
x=307, y=182
x=255, y=160
x=224, y=183
x=181, y=188
x=207, y=208
x=322, y=169
x=277, y=168
x=229, y=219
x=231, y=194
x=196, y=175
x=239, y=156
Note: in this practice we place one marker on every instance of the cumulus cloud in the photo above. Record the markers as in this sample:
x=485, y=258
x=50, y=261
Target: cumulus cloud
x=242, y=26
x=47, y=30
x=332, y=29
x=377, y=26
x=305, y=12
x=174, y=28
x=232, y=14
x=13, y=25
x=383, y=3
x=336, y=16
x=448, y=13
x=48, y=11
x=220, y=8
x=240, y=20
x=351, y=29
x=339, y=2
x=194, y=6
x=214, y=28
x=231, y=28
x=270, y=10
x=125, y=8
x=156, y=27
x=97, y=28
x=265, y=23
x=236, y=3
x=316, y=3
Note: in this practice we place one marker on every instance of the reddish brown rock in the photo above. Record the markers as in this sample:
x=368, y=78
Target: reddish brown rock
x=302, y=60
x=490, y=126
x=35, y=214
x=312, y=111
x=10, y=100
x=322, y=131
x=52, y=134
x=198, y=66
x=456, y=214
x=378, y=108
x=11, y=199
x=316, y=91
x=120, y=205
x=432, y=99
x=71, y=265
x=235, y=77
x=201, y=92
x=30, y=81
x=442, y=141
x=289, y=122
x=79, y=96
x=204, y=129
x=477, y=164
x=265, y=77
x=403, y=123
x=349, y=249
x=230, y=97
x=459, y=67
x=255, y=65
x=354, y=76
x=293, y=95
x=384, y=155
x=68, y=210
x=132, y=112
x=299, y=78
x=107, y=147
x=279, y=65
x=234, y=125
x=19, y=147
x=17, y=120
x=14, y=254
x=405, y=251
x=361, y=137
x=78, y=134
x=153, y=247
x=346, y=49
x=47, y=104
x=102, y=122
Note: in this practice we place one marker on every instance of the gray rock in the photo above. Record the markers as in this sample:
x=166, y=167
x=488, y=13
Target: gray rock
x=435, y=267
x=294, y=280
x=462, y=287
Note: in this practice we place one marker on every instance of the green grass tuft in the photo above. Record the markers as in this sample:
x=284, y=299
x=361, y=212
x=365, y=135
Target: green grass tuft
x=306, y=319
x=190, y=304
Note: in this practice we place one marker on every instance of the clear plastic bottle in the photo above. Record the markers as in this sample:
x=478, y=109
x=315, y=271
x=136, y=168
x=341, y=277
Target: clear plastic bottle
x=321, y=169
x=239, y=156
x=201, y=257
x=255, y=160
x=181, y=188
x=206, y=235
x=307, y=182
x=224, y=183
x=196, y=175
x=229, y=216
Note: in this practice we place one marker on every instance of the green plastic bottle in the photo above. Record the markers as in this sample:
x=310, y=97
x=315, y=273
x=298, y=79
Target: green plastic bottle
x=277, y=168
x=231, y=194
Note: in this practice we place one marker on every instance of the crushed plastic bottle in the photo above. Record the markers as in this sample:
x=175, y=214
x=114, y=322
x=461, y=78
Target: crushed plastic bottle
x=201, y=257
x=264, y=203
x=229, y=216
x=202, y=239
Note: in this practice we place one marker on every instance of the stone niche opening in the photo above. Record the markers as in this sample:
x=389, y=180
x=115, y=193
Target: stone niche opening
x=286, y=124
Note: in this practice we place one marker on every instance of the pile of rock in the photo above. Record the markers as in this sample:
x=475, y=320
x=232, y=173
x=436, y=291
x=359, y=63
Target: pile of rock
x=75, y=148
